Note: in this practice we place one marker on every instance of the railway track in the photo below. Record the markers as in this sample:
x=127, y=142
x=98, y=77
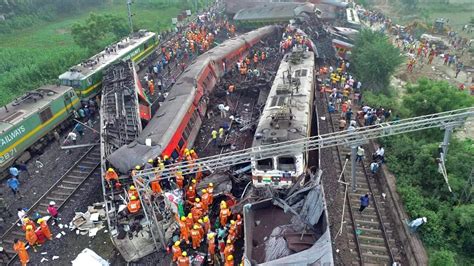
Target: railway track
x=373, y=238
x=66, y=186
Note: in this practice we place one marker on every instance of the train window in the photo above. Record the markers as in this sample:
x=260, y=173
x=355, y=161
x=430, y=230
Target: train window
x=175, y=154
x=286, y=163
x=186, y=131
x=301, y=73
x=181, y=143
x=46, y=114
x=265, y=164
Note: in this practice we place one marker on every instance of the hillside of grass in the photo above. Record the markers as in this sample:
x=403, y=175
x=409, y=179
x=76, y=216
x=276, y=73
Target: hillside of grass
x=37, y=54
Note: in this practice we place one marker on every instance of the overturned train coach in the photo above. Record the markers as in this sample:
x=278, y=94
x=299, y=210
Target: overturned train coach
x=176, y=124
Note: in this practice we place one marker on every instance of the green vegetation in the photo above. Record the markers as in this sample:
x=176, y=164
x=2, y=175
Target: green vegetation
x=375, y=59
x=449, y=234
x=37, y=45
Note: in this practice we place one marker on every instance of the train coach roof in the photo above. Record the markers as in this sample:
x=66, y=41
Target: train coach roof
x=124, y=46
x=285, y=11
x=28, y=104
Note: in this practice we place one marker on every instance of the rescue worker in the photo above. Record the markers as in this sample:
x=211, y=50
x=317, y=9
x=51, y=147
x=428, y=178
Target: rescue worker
x=221, y=243
x=232, y=231
x=41, y=238
x=151, y=86
x=205, y=198
x=239, y=224
x=20, y=248
x=189, y=222
x=229, y=249
x=45, y=228
x=211, y=246
x=193, y=154
x=134, y=205
x=221, y=133
x=191, y=194
x=183, y=260
x=112, y=178
x=207, y=224
x=196, y=237
x=229, y=261
x=155, y=185
x=224, y=214
x=214, y=137
x=149, y=164
x=179, y=179
x=176, y=251
x=132, y=192
x=210, y=190
x=183, y=230
x=197, y=209
x=26, y=222
x=200, y=225
x=31, y=237
x=134, y=171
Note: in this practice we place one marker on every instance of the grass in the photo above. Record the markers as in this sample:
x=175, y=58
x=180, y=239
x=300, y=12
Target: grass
x=25, y=54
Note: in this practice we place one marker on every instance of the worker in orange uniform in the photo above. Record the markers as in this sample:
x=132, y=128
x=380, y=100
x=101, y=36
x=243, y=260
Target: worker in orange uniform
x=45, y=228
x=189, y=221
x=155, y=185
x=196, y=237
x=200, y=225
x=205, y=200
x=31, y=237
x=211, y=245
x=232, y=231
x=26, y=222
x=196, y=210
x=183, y=230
x=134, y=205
x=191, y=192
x=112, y=178
x=179, y=179
x=207, y=224
x=20, y=248
x=210, y=190
x=176, y=249
x=229, y=249
x=193, y=154
x=239, y=224
x=183, y=260
x=229, y=261
x=151, y=86
x=224, y=213
x=132, y=192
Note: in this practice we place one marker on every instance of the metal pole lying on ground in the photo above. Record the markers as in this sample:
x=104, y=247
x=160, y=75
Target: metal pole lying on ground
x=78, y=146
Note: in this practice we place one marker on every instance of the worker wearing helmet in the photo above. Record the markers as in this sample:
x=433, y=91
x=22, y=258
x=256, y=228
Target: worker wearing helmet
x=229, y=249
x=207, y=224
x=26, y=222
x=191, y=193
x=200, y=225
x=183, y=260
x=31, y=237
x=224, y=214
x=211, y=244
x=189, y=221
x=176, y=249
x=205, y=199
x=232, y=231
x=132, y=191
x=179, y=179
x=133, y=205
x=183, y=230
x=112, y=178
x=149, y=164
x=134, y=171
x=210, y=189
x=229, y=261
x=196, y=237
x=194, y=154
x=196, y=210
x=239, y=225
x=45, y=228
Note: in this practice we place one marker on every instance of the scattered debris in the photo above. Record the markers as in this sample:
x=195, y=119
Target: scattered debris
x=90, y=222
x=44, y=259
x=55, y=257
x=90, y=258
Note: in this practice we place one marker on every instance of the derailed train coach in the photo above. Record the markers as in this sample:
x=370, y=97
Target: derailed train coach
x=176, y=124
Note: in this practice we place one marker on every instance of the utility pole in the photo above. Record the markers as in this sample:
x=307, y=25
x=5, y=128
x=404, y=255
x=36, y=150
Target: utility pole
x=129, y=5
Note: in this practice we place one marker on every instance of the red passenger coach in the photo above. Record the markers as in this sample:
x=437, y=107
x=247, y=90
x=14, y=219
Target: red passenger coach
x=178, y=120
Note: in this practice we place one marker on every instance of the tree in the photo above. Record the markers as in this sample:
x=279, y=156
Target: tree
x=429, y=96
x=98, y=30
x=442, y=258
x=375, y=60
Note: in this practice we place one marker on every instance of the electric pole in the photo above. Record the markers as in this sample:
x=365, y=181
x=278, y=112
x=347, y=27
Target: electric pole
x=129, y=8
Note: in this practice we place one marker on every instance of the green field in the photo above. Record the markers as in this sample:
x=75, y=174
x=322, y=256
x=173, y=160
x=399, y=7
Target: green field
x=38, y=54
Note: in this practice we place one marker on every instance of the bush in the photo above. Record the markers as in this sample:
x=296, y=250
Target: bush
x=442, y=258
